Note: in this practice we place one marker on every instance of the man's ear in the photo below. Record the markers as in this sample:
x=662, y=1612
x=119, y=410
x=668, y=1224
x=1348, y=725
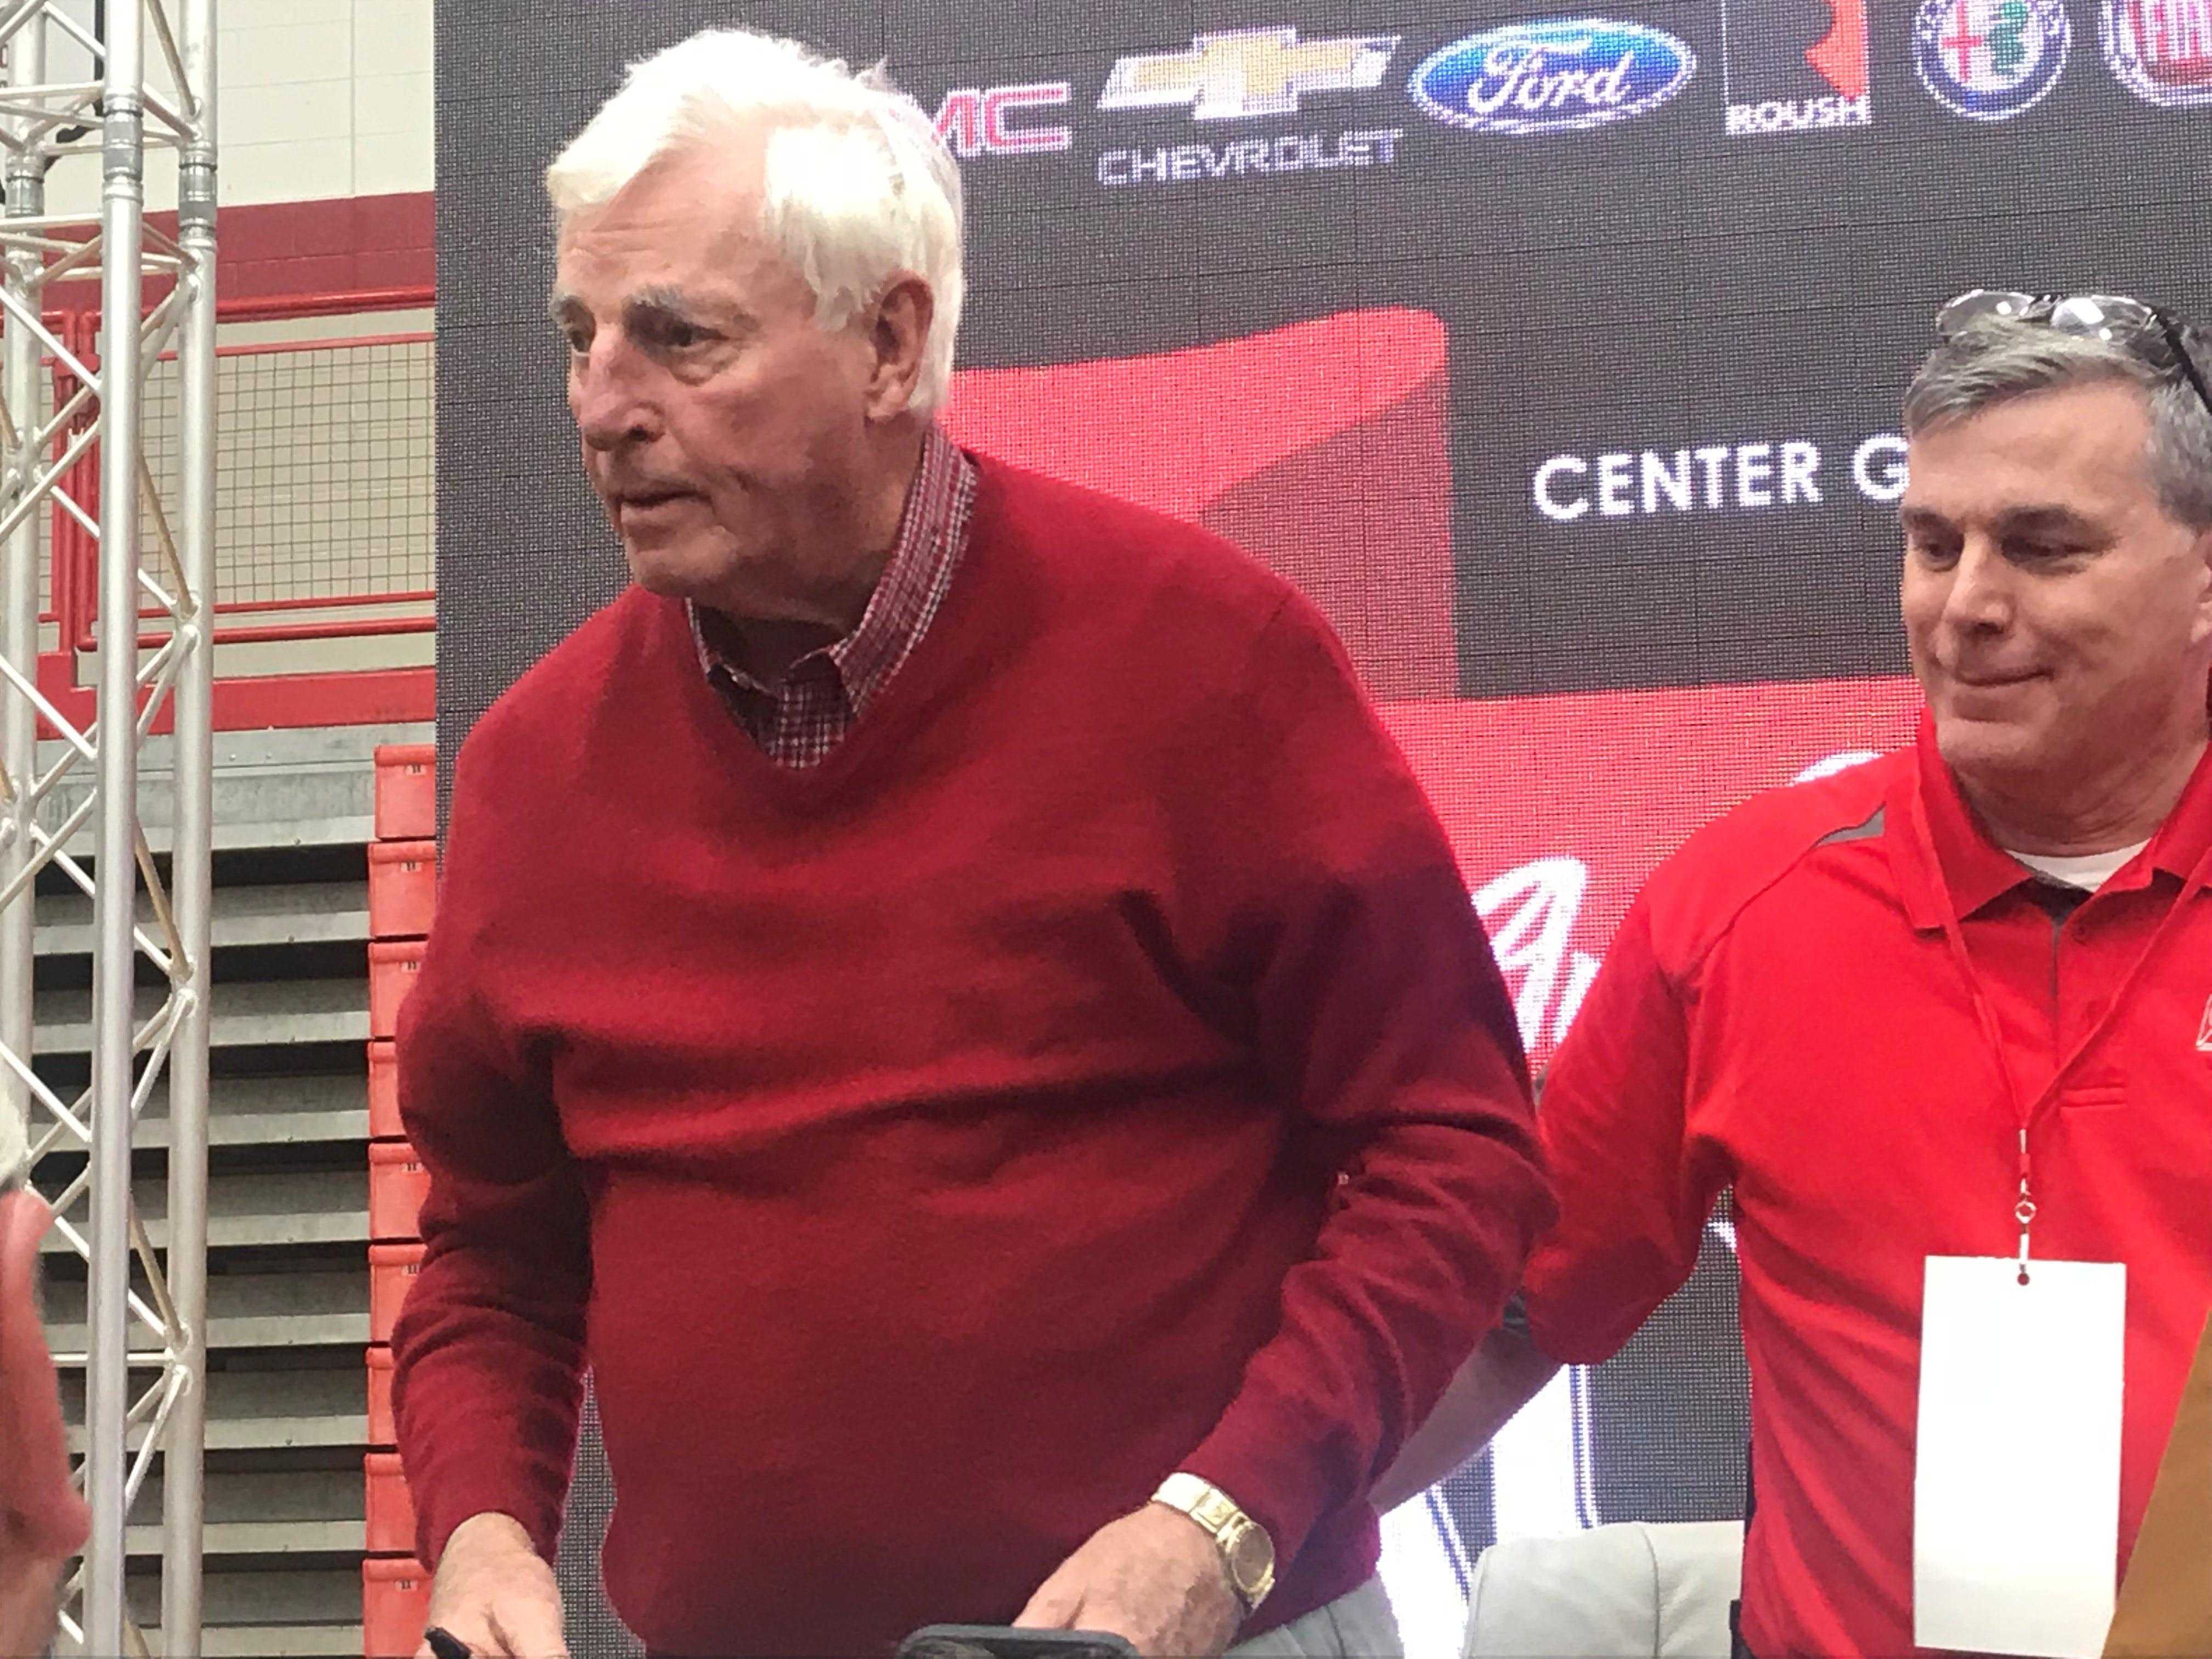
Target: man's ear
x=2201, y=553
x=898, y=338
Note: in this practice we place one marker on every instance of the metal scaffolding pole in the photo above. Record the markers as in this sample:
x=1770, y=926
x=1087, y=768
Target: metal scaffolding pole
x=191, y=855
x=114, y=902
x=147, y=87
x=19, y=628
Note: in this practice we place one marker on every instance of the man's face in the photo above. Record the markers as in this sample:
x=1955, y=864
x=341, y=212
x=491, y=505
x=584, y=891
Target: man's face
x=721, y=426
x=2053, y=609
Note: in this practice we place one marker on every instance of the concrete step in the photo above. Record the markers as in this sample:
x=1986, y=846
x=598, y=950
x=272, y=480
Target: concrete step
x=259, y=1641
x=260, y=1410
x=254, y=1014
x=311, y=1596
x=303, y=913
x=291, y=1308
x=317, y=1206
x=269, y=1111
x=272, y=789
x=284, y=1641
x=334, y=1537
x=300, y=1609
x=274, y=1111
x=249, y=1512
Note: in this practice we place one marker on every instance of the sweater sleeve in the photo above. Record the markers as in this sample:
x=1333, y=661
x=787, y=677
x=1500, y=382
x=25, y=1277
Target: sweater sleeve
x=488, y=1354
x=1383, y=1024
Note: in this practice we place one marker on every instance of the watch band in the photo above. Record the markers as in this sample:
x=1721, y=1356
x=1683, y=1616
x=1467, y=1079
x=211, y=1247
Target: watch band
x=1246, y=1551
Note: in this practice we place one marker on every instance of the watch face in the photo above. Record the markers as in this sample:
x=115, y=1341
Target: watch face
x=1251, y=1558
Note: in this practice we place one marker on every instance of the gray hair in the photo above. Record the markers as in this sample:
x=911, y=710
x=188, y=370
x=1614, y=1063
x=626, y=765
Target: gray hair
x=859, y=186
x=1994, y=359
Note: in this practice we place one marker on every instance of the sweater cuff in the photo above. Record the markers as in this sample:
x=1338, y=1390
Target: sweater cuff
x=461, y=1495
x=1250, y=1456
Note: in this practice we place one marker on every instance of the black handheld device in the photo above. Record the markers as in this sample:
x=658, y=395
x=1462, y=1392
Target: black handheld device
x=1004, y=1642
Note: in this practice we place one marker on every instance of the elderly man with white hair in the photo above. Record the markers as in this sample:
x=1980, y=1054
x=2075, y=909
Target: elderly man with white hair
x=945, y=997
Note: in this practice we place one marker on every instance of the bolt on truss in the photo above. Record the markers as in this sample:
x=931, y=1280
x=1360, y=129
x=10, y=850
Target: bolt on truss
x=71, y=412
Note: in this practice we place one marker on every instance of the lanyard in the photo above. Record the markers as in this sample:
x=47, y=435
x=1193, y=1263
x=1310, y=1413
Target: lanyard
x=2025, y=1111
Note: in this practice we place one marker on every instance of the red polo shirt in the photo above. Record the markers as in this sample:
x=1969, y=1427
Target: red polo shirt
x=1782, y=1014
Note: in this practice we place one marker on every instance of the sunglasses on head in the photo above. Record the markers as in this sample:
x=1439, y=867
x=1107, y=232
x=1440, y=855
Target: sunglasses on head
x=2148, y=330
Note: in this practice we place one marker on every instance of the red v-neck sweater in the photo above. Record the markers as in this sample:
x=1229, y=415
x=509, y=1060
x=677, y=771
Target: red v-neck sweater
x=1093, y=1069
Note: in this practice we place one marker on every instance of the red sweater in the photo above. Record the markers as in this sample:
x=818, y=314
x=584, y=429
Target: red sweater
x=1093, y=1069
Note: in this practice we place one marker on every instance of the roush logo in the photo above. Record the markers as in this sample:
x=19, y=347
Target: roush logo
x=1559, y=75
x=2161, y=49
x=1796, y=67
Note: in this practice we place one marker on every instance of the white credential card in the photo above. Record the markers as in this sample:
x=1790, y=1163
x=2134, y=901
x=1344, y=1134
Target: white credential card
x=2016, y=1494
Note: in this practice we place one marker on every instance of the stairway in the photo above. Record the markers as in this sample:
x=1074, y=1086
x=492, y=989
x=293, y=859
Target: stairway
x=288, y=1229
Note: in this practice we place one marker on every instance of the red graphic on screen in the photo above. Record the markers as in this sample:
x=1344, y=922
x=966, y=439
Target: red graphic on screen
x=2173, y=39
x=1841, y=55
x=1559, y=806
x=1319, y=447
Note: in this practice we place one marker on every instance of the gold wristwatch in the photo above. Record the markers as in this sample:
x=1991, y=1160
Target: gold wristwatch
x=1246, y=1549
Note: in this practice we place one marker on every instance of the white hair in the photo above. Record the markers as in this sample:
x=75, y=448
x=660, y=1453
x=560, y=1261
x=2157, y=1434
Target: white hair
x=857, y=185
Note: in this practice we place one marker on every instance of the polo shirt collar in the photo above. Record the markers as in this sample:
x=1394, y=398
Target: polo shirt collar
x=2183, y=846
x=1955, y=852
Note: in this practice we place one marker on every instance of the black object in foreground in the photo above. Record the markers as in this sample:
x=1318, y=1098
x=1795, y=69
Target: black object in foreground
x=1004, y=1642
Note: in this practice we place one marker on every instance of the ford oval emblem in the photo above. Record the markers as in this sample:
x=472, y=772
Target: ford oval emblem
x=1558, y=74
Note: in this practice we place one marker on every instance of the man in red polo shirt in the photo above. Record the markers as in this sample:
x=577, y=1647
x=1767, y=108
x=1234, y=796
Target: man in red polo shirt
x=1940, y=1023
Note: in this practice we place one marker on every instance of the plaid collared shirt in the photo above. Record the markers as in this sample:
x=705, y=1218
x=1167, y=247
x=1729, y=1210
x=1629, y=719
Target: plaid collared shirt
x=797, y=723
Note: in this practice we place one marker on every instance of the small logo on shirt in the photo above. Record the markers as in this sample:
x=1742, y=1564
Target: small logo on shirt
x=2204, y=1031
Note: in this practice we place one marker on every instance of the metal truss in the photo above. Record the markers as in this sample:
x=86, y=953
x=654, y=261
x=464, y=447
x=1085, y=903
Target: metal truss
x=70, y=404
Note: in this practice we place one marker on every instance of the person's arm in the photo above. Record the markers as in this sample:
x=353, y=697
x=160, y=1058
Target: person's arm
x=488, y=1354
x=43, y=1520
x=1500, y=1376
x=1635, y=1182
x=1335, y=908
x=1385, y=1027
x=1634, y=1190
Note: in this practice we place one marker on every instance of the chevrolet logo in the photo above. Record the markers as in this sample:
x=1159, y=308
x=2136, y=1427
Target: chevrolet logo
x=1248, y=72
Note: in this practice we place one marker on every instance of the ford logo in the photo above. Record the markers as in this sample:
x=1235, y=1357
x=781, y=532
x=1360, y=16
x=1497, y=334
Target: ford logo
x=1559, y=75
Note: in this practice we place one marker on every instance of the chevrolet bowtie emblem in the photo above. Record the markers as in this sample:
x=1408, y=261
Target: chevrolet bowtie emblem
x=1248, y=72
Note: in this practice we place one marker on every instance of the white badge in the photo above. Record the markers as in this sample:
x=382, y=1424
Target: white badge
x=2016, y=1498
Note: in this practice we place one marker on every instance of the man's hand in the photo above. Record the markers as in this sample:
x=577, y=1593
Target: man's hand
x=43, y=1520
x=493, y=1594
x=1154, y=1577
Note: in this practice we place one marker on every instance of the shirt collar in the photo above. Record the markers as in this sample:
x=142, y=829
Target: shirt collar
x=2183, y=846
x=1941, y=845
x=901, y=602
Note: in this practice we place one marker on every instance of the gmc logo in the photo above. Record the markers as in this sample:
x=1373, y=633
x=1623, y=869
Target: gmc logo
x=980, y=120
